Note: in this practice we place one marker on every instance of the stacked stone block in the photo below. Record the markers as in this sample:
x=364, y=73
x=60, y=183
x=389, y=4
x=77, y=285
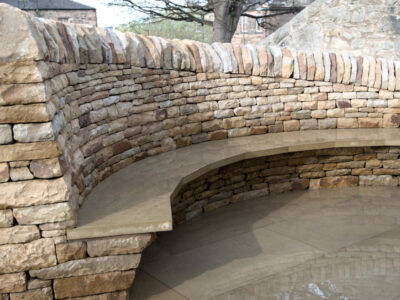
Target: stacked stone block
x=79, y=103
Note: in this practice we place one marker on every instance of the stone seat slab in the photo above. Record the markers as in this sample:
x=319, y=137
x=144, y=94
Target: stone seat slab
x=137, y=198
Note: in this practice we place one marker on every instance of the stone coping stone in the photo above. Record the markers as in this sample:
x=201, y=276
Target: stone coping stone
x=137, y=199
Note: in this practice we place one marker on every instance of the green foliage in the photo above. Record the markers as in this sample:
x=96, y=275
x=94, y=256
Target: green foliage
x=171, y=29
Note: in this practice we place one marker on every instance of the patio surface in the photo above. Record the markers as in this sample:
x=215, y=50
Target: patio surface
x=326, y=244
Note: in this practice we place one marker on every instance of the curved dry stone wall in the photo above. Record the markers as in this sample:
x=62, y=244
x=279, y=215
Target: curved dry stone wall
x=258, y=177
x=79, y=103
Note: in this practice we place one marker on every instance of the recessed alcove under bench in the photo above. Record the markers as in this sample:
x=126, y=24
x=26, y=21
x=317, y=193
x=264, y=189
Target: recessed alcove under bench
x=137, y=199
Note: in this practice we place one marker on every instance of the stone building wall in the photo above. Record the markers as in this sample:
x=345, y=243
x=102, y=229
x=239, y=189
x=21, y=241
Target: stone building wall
x=86, y=16
x=361, y=27
x=78, y=103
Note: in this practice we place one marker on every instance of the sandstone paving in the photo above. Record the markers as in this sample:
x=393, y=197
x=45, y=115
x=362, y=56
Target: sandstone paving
x=342, y=226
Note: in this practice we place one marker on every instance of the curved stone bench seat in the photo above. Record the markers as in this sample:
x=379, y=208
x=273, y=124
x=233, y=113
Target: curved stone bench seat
x=137, y=198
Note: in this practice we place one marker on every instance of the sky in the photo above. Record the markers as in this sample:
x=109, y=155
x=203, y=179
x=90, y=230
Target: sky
x=109, y=16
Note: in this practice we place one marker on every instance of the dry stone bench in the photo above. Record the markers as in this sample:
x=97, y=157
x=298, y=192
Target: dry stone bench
x=214, y=124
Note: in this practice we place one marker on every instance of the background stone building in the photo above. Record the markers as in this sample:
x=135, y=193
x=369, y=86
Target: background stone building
x=59, y=10
x=249, y=31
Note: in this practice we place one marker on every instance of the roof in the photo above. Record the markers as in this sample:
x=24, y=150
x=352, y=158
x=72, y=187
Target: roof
x=47, y=5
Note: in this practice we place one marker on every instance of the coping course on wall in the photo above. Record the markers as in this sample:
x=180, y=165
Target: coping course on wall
x=80, y=103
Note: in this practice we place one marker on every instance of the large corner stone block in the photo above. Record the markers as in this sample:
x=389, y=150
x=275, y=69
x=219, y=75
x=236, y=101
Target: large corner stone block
x=33, y=192
x=21, y=41
x=93, y=284
x=119, y=245
x=89, y=266
x=30, y=256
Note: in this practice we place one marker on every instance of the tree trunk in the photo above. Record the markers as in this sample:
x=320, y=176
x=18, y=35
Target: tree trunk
x=226, y=18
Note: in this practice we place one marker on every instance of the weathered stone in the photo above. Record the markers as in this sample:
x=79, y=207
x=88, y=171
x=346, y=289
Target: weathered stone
x=347, y=69
x=18, y=174
x=70, y=251
x=13, y=94
x=30, y=256
x=302, y=58
x=46, y=168
x=277, y=58
x=237, y=51
x=372, y=71
x=347, y=123
x=370, y=122
x=93, y=284
x=38, y=284
x=37, y=294
x=353, y=73
x=319, y=67
x=391, y=120
x=287, y=63
x=327, y=66
x=378, y=75
x=247, y=61
x=334, y=182
x=5, y=134
x=385, y=74
x=28, y=151
x=365, y=71
x=25, y=37
x=340, y=68
x=33, y=192
x=89, y=266
x=255, y=60
x=28, y=133
x=18, y=234
x=263, y=60
x=310, y=66
x=379, y=180
x=119, y=245
x=12, y=282
x=4, y=172
x=293, y=125
x=24, y=72
x=6, y=218
x=25, y=113
x=44, y=213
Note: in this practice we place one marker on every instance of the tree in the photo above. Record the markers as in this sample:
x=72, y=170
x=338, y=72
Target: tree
x=170, y=29
x=226, y=13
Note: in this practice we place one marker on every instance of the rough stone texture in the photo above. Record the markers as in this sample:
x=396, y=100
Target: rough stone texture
x=363, y=28
x=46, y=168
x=18, y=174
x=38, y=284
x=119, y=245
x=39, y=294
x=89, y=266
x=30, y=256
x=70, y=251
x=43, y=213
x=16, y=152
x=6, y=218
x=15, y=282
x=33, y=192
x=93, y=284
x=5, y=134
x=29, y=133
x=4, y=172
x=18, y=234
